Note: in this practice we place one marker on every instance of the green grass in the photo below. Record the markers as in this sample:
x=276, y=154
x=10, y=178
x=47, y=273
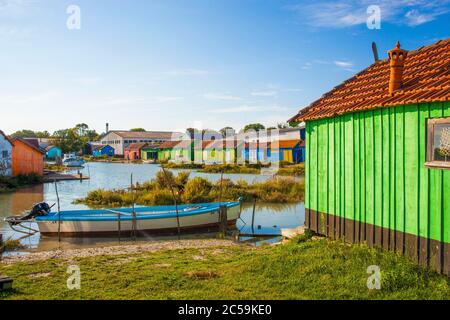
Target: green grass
x=54, y=167
x=302, y=269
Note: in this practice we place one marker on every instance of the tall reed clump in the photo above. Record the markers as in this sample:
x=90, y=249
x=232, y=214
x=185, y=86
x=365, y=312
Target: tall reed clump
x=164, y=187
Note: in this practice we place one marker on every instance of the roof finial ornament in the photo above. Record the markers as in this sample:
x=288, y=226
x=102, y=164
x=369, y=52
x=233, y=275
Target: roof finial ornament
x=398, y=45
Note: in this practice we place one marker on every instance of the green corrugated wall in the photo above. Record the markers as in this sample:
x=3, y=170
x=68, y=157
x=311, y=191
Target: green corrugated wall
x=369, y=167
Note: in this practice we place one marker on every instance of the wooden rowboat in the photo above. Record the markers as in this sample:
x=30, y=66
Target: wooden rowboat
x=141, y=221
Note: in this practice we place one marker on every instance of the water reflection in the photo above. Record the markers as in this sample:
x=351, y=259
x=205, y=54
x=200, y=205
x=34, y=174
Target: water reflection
x=269, y=218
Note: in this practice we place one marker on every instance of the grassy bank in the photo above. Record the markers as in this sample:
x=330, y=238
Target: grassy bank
x=286, y=169
x=215, y=168
x=302, y=269
x=108, y=159
x=196, y=190
x=9, y=184
x=296, y=170
x=54, y=167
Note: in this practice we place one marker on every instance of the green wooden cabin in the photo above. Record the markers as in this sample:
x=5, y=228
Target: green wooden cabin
x=378, y=157
x=220, y=152
x=181, y=151
x=150, y=152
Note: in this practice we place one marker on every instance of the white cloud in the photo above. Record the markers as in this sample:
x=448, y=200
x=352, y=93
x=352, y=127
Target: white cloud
x=163, y=99
x=187, y=72
x=15, y=8
x=244, y=108
x=415, y=17
x=139, y=101
x=347, y=13
x=88, y=81
x=344, y=64
x=293, y=90
x=267, y=93
x=25, y=99
x=219, y=96
x=249, y=108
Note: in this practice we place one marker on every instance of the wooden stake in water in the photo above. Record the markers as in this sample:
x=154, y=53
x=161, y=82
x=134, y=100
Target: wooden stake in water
x=253, y=215
x=133, y=227
x=169, y=183
x=221, y=182
x=119, y=227
x=59, y=212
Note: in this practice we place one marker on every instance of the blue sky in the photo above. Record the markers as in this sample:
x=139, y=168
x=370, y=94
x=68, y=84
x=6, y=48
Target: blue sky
x=168, y=65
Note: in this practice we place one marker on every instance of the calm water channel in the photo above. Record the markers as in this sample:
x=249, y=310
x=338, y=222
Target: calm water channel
x=269, y=218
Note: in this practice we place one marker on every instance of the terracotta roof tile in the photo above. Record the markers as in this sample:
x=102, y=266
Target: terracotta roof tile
x=182, y=144
x=136, y=146
x=426, y=78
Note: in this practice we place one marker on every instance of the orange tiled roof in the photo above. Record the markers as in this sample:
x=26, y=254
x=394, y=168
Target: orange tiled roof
x=136, y=146
x=288, y=143
x=182, y=144
x=426, y=78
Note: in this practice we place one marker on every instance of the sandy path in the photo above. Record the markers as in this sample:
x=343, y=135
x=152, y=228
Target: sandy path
x=118, y=250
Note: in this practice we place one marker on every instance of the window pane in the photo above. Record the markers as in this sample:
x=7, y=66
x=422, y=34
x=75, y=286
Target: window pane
x=441, y=144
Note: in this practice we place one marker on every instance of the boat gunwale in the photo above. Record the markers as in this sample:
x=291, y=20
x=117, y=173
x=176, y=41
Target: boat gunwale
x=76, y=215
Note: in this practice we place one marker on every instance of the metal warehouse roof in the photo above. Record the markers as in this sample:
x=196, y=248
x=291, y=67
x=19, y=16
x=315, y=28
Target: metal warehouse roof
x=147, y=134
x=426, y=79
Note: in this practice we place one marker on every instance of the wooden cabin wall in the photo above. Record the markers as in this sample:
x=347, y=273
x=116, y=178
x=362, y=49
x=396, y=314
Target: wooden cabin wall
x=366, y=182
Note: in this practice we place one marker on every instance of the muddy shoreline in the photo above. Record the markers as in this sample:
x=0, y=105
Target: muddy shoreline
x=118, y=250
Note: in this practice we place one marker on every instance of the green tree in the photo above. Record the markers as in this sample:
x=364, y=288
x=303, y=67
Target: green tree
x=81, y=129
x=137, y=130
x=294, y=124
x=43, y=134
x=24, y=134
x=226, y=130
x=254, y=126
x=68, y=140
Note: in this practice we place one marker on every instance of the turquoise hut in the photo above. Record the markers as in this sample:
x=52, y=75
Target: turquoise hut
x=53, y=152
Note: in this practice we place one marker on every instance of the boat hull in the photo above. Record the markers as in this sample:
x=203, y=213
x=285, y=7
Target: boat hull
x=207, y=221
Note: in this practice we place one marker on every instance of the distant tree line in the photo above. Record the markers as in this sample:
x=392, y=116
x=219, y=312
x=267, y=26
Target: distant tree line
x=69, y=140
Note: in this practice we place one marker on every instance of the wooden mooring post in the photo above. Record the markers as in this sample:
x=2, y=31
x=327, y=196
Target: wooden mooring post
x=133, y=222
x=169, y=183
x=119, y=227
x=223, y=220
x=253, y=214
x=59, y=211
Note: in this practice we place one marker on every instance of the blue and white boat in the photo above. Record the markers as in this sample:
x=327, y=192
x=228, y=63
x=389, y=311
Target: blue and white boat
x=71, y=160
x=141, y=220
